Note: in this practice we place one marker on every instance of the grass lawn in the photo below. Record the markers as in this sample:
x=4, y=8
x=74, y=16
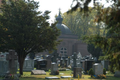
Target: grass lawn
x=28, y=76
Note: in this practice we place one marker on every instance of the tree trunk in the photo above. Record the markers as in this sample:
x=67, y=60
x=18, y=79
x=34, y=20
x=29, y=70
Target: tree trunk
x=21, y=62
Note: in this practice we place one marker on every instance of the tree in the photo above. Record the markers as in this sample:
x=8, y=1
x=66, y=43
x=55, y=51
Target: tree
x=110, y=45
x=26, y=30
x=84, y=25
x=96, y=52
x=80, y=24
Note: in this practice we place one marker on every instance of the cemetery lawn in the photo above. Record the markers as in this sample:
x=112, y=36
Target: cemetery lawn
x=28, y=76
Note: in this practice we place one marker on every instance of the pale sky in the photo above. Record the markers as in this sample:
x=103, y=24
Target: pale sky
x=54, y=5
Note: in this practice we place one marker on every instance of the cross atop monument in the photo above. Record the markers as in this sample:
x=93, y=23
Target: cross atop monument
x=59, y=11
x=11, y=57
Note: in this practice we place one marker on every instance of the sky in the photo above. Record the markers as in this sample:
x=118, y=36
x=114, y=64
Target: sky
x=55, y=5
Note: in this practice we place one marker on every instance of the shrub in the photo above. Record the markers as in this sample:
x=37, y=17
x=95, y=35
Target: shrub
x=104, y=71
x=91, y=72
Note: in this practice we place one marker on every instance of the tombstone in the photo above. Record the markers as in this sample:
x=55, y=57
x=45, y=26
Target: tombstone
x=105, y=64
x=38, y=72
x=61, y=62
x=54, y=68
x=3, y=67
x=28, y=64
x=83, y=64
x=66, y=62
x=12, y=58
x=88, y=64
x=74, y=59
x=43, y=64
x=2, y=57
x=98, y=68
x=79, y=57
x=54, y=57
x=77, y=71
x=3, y=64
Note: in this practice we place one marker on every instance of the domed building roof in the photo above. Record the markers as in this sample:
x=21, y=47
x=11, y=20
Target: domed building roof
x=64, y=29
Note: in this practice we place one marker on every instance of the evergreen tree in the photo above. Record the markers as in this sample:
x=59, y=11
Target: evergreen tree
x=25, y=29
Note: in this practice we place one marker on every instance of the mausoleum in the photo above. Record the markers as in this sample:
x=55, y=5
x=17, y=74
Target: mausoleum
x=70, y=42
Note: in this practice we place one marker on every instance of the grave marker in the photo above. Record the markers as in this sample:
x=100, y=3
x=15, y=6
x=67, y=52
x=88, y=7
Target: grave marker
x=11, y=57
x=98, y=68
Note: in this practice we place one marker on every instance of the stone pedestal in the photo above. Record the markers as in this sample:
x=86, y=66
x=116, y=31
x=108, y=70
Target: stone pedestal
x=77, y=71
x=54, y=68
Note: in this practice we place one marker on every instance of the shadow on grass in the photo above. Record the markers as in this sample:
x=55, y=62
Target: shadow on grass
x=31, y=78
x=112, y=78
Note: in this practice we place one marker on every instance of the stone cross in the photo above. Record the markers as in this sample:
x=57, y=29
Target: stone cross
x=11, y=57
x=74, y=59
x=55, y=54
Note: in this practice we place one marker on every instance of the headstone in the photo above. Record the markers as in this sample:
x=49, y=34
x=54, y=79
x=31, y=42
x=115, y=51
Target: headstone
x=88, y=65
x=12, y=58
x=77, y=71
x=3, y=67
x=117, y=74
x=54, y=68
x=54, y=57
x=3, y=64
x=43, y=64
x=74, y=59
x=61, y=62
x=79, y=57
x=28, y=64
x=105, y=64
x=98, y=68
x=38, y=72
x=66, y=62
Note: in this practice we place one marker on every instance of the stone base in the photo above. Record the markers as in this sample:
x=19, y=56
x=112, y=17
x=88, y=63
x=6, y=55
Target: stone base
x=77, y=71
x=117, y=74
x=66, y=76
x=38, y=72
x=54, y=77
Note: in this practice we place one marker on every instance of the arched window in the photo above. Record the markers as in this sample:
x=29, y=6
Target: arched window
x=63, y=51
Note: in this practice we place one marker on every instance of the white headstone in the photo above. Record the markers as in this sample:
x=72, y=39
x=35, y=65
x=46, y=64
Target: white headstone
x=98, y=68
x=54, y=68
x=28, y=65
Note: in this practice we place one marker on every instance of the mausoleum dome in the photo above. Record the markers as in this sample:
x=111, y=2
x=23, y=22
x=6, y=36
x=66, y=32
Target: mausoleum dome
x=64, y=29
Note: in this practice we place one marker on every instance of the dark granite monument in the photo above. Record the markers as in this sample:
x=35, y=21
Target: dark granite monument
x=12, y=57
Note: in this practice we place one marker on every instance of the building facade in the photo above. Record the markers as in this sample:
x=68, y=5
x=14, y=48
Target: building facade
x=70, y=42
